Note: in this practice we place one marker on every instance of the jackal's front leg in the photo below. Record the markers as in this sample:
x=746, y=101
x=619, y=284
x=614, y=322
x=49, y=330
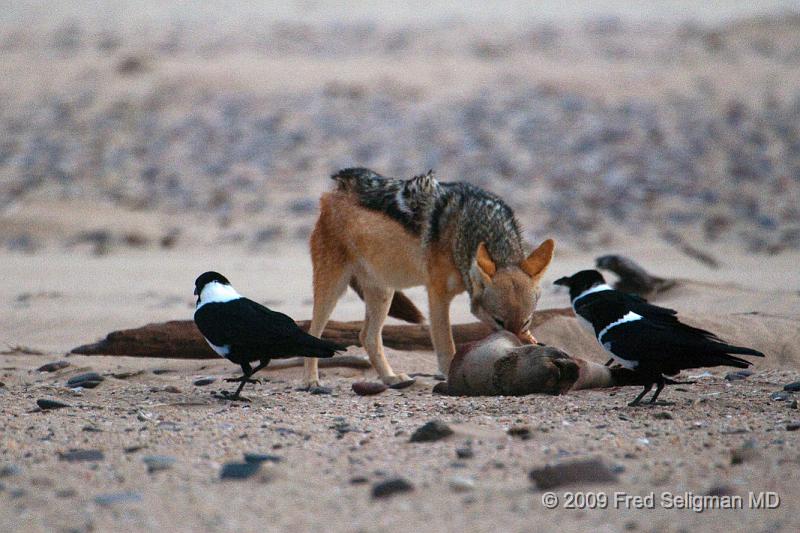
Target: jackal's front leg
x=441, y=334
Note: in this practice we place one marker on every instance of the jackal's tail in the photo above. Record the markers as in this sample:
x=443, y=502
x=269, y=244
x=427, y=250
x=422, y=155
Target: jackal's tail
x=402, y=307
x=355, y=179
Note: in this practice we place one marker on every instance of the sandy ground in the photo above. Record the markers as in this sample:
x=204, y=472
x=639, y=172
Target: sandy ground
x=140, y=147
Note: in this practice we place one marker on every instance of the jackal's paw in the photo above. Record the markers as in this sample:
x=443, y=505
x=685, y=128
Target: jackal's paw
x=398, y=381
x=310, y=383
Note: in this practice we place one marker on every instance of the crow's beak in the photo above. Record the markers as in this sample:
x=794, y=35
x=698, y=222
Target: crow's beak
x=562, y=281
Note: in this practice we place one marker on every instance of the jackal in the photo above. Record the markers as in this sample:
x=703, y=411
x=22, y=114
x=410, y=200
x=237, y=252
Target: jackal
x=381, y=234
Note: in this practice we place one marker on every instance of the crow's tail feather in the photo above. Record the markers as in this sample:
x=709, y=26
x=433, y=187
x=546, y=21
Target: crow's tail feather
x=311, y=346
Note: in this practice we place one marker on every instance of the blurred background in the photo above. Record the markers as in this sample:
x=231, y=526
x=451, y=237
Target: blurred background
x=132, y=128
x=591, y=118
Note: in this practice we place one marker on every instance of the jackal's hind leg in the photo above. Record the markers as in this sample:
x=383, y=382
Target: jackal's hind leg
x=378, y=300
x=331, y=273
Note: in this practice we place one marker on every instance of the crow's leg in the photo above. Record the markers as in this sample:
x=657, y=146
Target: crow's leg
x=660, y=386
x=638, y=399
x=248, y=371
x=264, y=362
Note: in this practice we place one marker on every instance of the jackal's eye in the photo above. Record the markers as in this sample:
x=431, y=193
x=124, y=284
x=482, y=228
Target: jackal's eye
x=527, y=325
x=500, y=323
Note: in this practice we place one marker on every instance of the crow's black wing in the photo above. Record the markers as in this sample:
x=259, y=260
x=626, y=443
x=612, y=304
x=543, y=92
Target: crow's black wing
x=249, y=327
x=617, y=303
x=670, y=349
x=280, y=334
x=244, y=321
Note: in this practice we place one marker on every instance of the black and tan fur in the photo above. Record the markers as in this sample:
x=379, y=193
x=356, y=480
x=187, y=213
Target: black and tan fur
x=381, y=235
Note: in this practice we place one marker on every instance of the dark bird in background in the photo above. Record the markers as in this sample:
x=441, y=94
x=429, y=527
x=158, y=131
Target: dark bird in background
x=645, y=338
x=244, y=331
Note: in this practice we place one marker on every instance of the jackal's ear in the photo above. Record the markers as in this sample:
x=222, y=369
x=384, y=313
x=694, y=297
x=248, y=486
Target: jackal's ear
x=483, y=265
x=538, y=261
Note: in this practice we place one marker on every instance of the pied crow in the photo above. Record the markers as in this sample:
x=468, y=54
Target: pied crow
x=645, y=338
x=244, y=331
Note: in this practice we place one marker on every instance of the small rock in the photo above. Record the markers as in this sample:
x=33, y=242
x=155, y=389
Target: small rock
x=744, y=453
x=134, y=449
x=157, y=463
x=320, y=390
x=780, y=396
x=303, y=205
x=792, y=387
x=431, y=432
x=520, y=432
x=403, y=384
x=239, y=470
x=9, y=470
x=117, y=497
x=461, y=484
x=89, y=380
x=465, y=453
x=720, y=490
x=45, y=404
x=74, y=456
x=127, y=374
x=262, y=458
x=580, y=471
x=172, y=389
x=793, y=404
x=358, y=480
x=662, y=415
x=390, y=487
x=202, y=382
x=368, y=388
x=738, y=375
x=793, y=426
x=52, y=367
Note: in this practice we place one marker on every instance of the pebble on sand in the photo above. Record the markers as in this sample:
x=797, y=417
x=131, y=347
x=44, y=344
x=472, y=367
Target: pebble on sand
x=465, y=453
x=157, y=463
x=368, y=388
x=461, y=484
x=9, y=470
x=202, y=382
x=792, y=387
x=88, y=380
x=239, y=470
x=75, y=455
x=112, y=498
x=592, y=470
x=738, y=375
x=520, y=432
x=52, y=367
x=262, y=458
x=431, y=432
x=745, y=452
x=46, y=404
x=391, y=487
